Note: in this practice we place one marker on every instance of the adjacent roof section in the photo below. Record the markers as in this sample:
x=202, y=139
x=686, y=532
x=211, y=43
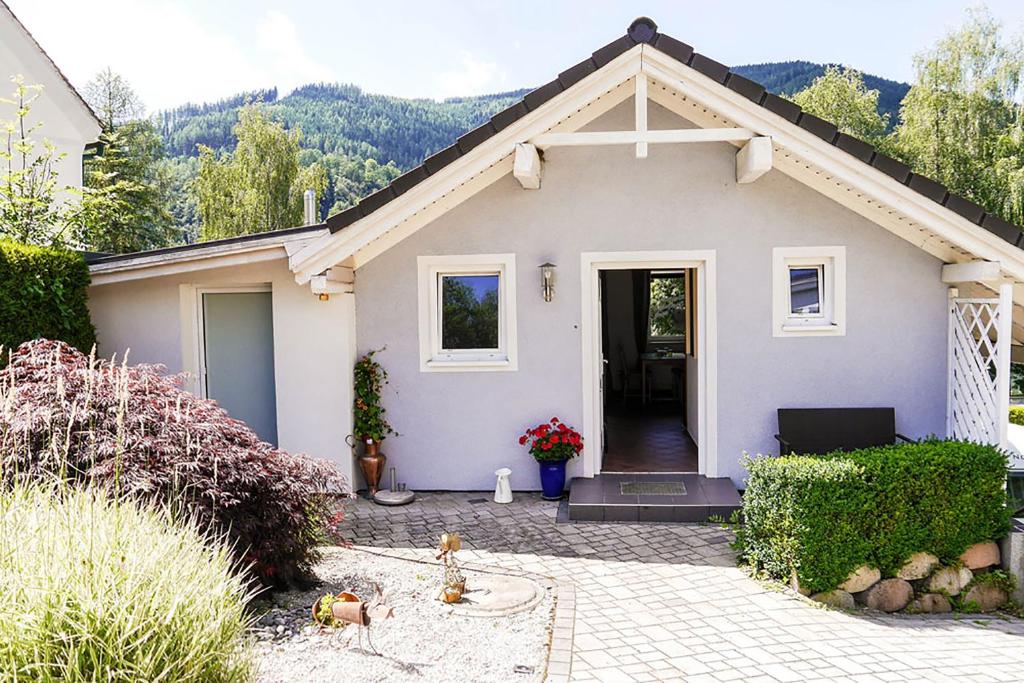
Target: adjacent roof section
x=53, y=64
x=644, y=30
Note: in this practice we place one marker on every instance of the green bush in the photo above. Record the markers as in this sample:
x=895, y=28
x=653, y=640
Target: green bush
x=43, y=293
x=96, y=590
x=823, y=516
x=1017, y=415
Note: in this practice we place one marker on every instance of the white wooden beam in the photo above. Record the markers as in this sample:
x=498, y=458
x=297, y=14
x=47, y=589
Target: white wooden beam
x=971, y=271
x=754, y=159
x=322, y=284
x=344, y=274
x=640, y=98
x=631, y=137
x=526, y=168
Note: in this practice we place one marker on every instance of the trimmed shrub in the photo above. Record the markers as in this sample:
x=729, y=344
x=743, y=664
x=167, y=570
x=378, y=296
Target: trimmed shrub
x=823, y=516
x=43, y=293
x=96, y=589
x=1017, y=415
x=132, y=429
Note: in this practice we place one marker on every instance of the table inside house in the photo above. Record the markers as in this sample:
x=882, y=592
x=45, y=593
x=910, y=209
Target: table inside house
x=648, y=359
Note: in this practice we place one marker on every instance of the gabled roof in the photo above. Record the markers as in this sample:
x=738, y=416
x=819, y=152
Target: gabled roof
x=53, y=65
x=644, y=31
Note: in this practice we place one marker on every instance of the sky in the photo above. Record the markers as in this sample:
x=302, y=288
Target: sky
x=200, y=51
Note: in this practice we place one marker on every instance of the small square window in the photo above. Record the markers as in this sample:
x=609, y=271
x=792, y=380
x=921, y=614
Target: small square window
x=809, y=291
x=467, y=312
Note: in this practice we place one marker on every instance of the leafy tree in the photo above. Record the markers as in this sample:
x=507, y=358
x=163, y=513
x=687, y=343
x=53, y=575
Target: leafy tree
x=259, y=186
x=470, y=318
x=125, y=201
x=961, y=121
x=668, y=303
x=29, y=208
x=840, y=97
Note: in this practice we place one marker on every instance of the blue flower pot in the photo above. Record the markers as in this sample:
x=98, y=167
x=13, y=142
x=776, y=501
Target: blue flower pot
x=552, y=478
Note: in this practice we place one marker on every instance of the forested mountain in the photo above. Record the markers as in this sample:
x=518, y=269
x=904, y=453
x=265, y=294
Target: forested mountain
x=364, y=141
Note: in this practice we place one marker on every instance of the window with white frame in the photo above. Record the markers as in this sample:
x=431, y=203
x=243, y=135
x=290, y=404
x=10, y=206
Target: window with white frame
x=467, y=312
x=809, y=291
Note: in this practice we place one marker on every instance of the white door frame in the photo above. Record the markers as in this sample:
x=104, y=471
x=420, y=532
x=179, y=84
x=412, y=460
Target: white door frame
x=703, y=261
x=199, y=326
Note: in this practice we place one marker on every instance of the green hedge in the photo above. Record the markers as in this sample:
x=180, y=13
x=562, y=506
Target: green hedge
x=43, y=293
x=1017, y=415
x=823, y=516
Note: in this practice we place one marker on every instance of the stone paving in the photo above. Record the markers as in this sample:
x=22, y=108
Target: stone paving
x=666, y=602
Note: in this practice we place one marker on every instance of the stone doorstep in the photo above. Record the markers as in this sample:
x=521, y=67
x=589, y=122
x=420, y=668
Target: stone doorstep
x=558, y=666
x=600, y=499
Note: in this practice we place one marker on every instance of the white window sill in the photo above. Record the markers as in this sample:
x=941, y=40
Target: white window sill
x=468, y=365
x=816, y=330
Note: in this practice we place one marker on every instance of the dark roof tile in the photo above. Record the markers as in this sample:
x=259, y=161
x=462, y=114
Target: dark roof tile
x=820, y=127
x=643, y=30
x=536, y=98
x=612, y=50
x=889, y=166
x=785, y=108
x=575, y=74
x=928, y=187
x=673, y=48
x=504, y=118
x=965, y=208
x=855, y=146
x=997, y=226
x=372, y=202
x=409, y=179
x=746, y=87
x=475, y=137
x=716, y=71
x=438, y=161
x=343, y=219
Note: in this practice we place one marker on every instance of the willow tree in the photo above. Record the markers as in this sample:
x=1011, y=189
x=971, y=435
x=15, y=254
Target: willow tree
x=840, y=97
x=259, y=186
x=961, y=122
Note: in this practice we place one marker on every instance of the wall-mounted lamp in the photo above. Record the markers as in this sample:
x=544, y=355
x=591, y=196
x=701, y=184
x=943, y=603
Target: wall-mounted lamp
x=323, y=296
x=547, y=278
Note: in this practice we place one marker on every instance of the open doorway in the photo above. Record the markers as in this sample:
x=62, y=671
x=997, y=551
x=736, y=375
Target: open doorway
x=648, y=351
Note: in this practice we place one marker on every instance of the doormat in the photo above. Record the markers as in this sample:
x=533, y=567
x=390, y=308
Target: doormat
x=652, y=488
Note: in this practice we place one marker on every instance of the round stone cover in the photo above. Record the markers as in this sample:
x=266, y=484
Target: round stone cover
x=495, y=595
x=394, y=497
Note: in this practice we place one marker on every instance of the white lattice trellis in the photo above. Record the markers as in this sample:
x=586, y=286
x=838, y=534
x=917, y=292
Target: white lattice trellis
x=979, y=368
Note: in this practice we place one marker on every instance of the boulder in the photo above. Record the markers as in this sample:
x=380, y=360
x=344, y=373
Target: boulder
x=986, y=596
x=860, y=579
x=888, y=595
x=981, y=555
x=931, y=603
x=948, y=580
x=918, y=566
x=837, y=599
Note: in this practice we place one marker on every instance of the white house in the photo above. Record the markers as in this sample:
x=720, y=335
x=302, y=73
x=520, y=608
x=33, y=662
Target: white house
x=67, y=120
x=816, y=272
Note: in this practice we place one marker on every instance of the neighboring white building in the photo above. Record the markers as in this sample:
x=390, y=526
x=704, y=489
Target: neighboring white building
x=67, y=120
x=819, y=273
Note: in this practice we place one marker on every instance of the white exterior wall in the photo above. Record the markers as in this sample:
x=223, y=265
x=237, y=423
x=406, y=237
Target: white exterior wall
x=457, y=428
x=313, y=345
x=66, y=121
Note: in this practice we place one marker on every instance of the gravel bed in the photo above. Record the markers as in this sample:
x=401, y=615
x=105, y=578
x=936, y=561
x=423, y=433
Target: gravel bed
x=425, y=641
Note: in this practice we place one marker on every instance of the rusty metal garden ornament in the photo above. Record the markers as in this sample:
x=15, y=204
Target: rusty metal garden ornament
x=454, y=581
x=338, y=611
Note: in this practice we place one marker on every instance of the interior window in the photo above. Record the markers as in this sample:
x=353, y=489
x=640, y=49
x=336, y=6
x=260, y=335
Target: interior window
x=805, y=290
x=469, y=311
x=667, y=319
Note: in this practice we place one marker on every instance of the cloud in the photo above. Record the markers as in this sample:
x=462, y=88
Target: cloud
x=475, y=77
x=285, y=53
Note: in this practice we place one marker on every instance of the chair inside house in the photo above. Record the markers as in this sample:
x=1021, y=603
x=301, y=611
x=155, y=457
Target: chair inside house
x=816, y=431
x=645, y=352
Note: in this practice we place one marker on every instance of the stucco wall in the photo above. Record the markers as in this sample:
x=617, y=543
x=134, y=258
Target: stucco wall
x=457, y=428
x=313, y=349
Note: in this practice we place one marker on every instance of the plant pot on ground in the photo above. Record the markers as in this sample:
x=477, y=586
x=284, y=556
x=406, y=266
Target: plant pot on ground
x=552, y=444
x=369, y=423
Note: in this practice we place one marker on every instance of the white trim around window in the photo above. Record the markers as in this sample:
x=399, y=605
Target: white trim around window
x=824, y=312
x=435, y=358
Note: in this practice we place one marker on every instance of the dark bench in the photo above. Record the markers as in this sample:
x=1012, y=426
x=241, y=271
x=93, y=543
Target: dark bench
x=815, y=431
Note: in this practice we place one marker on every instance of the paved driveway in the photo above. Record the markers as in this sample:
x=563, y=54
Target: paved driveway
x=665, y=602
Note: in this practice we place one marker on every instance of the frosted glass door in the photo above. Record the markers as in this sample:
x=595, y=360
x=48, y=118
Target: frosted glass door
x=239, y=357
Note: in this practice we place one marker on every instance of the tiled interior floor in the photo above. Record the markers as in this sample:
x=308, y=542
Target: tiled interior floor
x=648, y=438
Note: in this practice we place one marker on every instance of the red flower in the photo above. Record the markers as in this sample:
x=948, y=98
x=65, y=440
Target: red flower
x=563, y=428
x=554, y=420
x=522, y=440
x=554, y=439
x=546, y=446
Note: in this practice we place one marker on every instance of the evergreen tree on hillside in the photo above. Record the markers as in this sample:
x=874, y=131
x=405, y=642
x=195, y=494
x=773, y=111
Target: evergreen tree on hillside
x=259, y=186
